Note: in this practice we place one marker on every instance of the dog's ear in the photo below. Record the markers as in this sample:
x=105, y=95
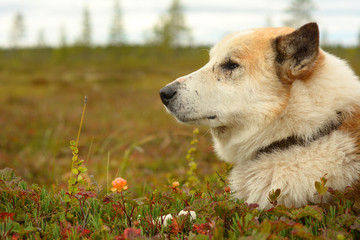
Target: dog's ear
x=297, y=52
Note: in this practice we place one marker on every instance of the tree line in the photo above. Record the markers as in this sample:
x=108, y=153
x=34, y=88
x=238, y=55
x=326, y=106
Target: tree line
x=170, y=30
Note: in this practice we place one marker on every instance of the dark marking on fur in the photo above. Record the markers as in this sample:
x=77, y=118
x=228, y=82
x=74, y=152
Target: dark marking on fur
x=296, y=52
x=354, y=195
x=197, y=93
x=351, y=125
x=290, y=141
x=219, y=131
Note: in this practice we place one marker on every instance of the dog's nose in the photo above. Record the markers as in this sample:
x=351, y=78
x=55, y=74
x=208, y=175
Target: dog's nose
x=168, y=92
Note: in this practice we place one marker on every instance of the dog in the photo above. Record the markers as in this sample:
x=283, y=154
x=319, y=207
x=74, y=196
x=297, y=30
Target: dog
x=283, y=111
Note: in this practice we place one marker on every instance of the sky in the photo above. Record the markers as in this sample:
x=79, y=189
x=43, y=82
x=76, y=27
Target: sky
x=209, y=20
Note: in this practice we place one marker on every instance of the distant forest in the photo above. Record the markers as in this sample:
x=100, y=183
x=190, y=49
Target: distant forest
x=170, y=31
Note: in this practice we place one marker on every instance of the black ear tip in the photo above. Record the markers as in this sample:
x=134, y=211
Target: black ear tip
x=314, y=24
x=311, y=26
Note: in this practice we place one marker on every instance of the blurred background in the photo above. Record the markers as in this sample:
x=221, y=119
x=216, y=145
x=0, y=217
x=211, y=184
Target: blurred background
x=119, y=53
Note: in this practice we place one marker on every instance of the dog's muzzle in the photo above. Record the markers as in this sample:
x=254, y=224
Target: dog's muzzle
x=168, y=93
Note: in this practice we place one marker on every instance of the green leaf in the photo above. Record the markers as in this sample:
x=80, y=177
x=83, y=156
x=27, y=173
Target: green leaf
x=301, y=231
x=30, y=229
x=75, y=171
x=67, y=199
x=72, y=180
x=323, y=180
x=7, y=174
x=73, y=189
x=321, y=188
x=277, y=226
x=132, y=202
x=309, y=211
x=16, y=227
x=75, y=150
x=277, y=192
x=23, y=185
x=82, y=169
x=69, y=215
x=72, y=143
x=79, y=162
x=81, y=181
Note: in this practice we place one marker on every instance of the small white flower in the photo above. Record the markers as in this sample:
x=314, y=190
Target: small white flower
x=192, y=214
x=167, y=220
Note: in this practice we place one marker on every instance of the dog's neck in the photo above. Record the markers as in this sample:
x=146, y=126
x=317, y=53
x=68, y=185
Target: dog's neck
x=254, y=142
x=301, y=141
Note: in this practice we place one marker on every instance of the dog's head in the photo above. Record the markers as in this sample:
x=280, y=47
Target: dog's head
x=247, y=79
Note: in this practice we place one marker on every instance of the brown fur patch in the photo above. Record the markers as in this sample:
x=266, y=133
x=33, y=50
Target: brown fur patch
x=256, y=53
x=351, y=125
x=251, y=49
x=306, y=73
x=297, y=53
x=254, y=49
x=354, y=195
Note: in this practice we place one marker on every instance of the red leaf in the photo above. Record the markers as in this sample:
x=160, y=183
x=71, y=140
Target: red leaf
x=309, y=211
x=174, y=226
x=119, y=238
x=205, y=228
x=67, y=229
x=5, y=215
x=86, y=194
x=83, y=232
x=118, y=208
x=15, y=236
x=131, y=233
x=107, y=199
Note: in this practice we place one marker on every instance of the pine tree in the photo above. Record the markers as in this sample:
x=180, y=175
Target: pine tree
x=116, y=36
x=171, y=30
x=41, y=42
x=61, y=52
x=17, y=31
x=63, y=38
x=300, y=13
x=85, y=38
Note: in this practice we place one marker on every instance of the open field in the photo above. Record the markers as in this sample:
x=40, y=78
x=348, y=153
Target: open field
x=41, y=102
x=41, y=99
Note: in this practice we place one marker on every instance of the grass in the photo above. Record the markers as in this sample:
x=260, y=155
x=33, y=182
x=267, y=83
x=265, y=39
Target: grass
x=32, y=212
x=42, y=105
x=126, y=133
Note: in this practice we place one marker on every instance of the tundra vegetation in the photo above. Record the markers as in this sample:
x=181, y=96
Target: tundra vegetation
x=58, y=184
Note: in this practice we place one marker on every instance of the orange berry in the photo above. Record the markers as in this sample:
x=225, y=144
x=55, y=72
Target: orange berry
x=227, y=189
x=175, y=184
x=119, y=184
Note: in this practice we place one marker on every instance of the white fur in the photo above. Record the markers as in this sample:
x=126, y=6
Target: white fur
x=245, y=104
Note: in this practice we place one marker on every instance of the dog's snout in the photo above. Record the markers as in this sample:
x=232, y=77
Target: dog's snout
x=168, y=92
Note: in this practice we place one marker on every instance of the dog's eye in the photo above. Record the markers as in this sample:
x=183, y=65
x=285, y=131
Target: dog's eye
x=230, y=65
